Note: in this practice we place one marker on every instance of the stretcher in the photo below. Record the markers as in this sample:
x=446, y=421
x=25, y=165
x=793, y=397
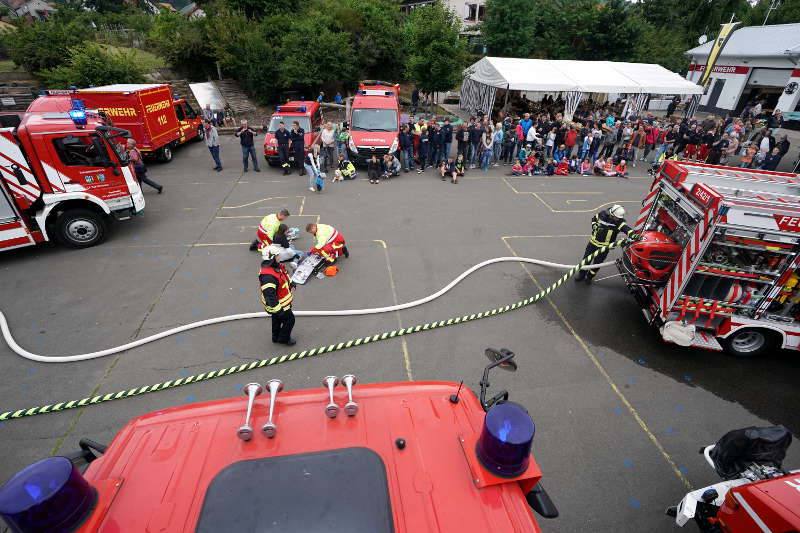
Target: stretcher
x=307, y=268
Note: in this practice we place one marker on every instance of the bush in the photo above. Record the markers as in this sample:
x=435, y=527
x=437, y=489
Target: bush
x=90, y=64
x=41, y=45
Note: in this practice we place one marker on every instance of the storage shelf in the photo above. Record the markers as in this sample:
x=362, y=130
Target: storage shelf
x=774, y=273
x=734, y=276
x=757, y=248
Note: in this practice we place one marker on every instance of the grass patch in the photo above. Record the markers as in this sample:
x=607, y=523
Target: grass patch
x=147, y=60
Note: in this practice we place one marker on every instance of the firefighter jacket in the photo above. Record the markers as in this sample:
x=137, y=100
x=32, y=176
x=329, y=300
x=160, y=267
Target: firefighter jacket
x=605, y=228
x=282, y=137
x=297, y=137
x=346, y=168
x=325, y=235
x=276, y=294
x=267, y=228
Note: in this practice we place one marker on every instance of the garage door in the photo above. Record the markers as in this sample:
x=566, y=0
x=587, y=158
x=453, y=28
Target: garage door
x=769, y=77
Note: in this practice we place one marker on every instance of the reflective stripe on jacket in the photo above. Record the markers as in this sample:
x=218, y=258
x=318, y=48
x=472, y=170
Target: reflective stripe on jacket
x=605, y=228
x=276, y=296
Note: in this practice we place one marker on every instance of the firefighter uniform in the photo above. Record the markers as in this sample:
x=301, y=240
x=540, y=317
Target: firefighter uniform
x=329, y=243
x=276, y=296
x=297, y=138
x=606, y=225
x=282, y=137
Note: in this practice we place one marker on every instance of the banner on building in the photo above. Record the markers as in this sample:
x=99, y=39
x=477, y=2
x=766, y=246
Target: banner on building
x=716, y=49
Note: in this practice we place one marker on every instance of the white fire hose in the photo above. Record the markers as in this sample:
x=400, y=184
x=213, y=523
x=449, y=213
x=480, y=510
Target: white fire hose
x=218, y=320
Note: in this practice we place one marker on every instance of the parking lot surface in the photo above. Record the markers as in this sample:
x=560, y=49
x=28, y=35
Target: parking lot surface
x=619, y=414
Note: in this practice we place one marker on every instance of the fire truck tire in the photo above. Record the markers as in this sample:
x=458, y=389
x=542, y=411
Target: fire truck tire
x=750, y=342
x=165, y=153
x=201, y=133
x=80, y=228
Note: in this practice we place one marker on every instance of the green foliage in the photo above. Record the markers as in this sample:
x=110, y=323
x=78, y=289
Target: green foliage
x=436, y=54
x=41, y=45
x=90, y=64
x=180, y=41
x=510, y=27
x=787, y=12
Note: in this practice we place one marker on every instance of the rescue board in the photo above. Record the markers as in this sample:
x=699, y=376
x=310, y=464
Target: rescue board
x=306, y=269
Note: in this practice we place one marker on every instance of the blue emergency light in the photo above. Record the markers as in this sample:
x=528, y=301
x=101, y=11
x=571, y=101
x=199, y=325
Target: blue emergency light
x=78, y=113
x=504, y=447
x=49, y=496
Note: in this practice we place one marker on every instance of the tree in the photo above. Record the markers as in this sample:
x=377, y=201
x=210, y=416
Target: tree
x=41, y=45
x=180, y=41
x=436, y=55
x=90, y=64
x=509, y=27
x=788, y=11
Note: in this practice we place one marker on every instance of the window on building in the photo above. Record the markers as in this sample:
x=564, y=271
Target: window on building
x=481, y=12
x=472, y=12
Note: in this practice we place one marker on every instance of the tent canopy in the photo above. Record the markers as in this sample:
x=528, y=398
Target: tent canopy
x=545, y=75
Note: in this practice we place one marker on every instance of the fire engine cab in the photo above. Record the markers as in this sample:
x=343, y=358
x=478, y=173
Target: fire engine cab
x=717, y=265
x=340, y=458
x=374, y=121
x=62, y=176
x=307, y=114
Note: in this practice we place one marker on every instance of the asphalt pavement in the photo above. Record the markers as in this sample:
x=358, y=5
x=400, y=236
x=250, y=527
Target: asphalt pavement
x=619, y=414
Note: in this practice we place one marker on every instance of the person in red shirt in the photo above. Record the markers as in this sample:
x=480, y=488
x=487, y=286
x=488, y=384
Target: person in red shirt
x=135, y=157
x=570, y=139
x=651, y=137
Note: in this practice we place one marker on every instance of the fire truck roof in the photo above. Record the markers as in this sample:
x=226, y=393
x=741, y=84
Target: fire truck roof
x=184, y=469
x=48, y=111
x=122, y=87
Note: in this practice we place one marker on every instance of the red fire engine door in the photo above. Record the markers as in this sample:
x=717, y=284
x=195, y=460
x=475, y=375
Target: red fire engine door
x=13, y=233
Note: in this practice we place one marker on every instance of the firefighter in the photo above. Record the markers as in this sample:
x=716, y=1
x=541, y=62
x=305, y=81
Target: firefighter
x=329, y=243
x=297, y=136
x=266, y=230
x=282, y=136
x=276, y=295
x=605, y=226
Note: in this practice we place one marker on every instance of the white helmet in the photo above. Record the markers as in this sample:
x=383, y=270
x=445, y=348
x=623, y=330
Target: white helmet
x=617, y=211
x=270, y=252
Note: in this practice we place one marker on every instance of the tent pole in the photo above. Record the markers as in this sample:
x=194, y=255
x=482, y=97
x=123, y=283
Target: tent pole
x=505, y=103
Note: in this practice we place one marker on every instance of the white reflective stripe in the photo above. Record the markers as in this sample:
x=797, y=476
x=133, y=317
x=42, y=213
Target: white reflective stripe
x=757, y=519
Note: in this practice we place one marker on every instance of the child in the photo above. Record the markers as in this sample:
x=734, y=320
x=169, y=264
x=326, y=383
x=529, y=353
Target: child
x=391, y=166
x=563, y=167
x=586, y=167
x=459, y=168
x=345, y=170
x=551, y=167
x=621, y=171
x=522, y=155
x=446, y=168
x=373, y=168
x=518, y=169
x=760, y=157
x=574, y=165
x=608, y=168
x=747, y=159
x=599, y=167
x=531, y=160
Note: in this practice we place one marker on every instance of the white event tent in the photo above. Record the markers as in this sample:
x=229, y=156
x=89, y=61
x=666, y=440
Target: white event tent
x=573, y=78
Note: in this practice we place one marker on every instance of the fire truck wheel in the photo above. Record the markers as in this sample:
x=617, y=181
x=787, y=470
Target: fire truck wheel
x=201, y=133
x=165, y=154
x=750, y=342
x=80, y=228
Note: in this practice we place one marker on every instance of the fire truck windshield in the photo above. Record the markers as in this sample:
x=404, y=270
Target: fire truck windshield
x=305, y=125
x=367, y=119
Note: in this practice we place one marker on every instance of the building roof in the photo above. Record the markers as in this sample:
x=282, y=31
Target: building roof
x=778, y=40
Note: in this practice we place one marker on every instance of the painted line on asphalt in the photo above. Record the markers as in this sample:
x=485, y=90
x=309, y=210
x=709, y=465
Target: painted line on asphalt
x=552, y=210
x=406, y=356
x=600, y=368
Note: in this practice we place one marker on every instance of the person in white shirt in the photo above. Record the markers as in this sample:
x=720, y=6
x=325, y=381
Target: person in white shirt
x=328, y=139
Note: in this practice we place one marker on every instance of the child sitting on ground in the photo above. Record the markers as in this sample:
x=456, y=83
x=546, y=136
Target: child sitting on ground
x=574, y=165
x=621, y=171
x=586, y=167
x=608, y=168
x=523, y=154
x=551, y=167
x=345, y=170
x=518, y=169
x=563, y=167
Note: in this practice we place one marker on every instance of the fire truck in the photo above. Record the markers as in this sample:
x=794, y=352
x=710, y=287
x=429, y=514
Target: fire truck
x=717, y=263
x=341, y=458
x=307, y=114
x=374, y=121
x=62, y=176
x=157, y=121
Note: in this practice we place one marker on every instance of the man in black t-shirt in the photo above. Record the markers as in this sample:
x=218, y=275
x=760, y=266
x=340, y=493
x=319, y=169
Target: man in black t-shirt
x=246, y=135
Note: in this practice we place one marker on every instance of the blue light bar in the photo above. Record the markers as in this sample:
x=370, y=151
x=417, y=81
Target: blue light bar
x=78, y=104
x=504, y=447
x=78, y=117
x=49, y=496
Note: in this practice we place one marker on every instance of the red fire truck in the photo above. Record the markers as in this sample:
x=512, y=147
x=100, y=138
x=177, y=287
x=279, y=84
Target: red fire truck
x=62, y=176
x=308, y=114
x=717, y=264
x=374, y=121
x=157, y=121
x=343, y=458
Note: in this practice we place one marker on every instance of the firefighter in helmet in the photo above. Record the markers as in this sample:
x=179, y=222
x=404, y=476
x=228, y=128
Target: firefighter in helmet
x=328, y=242
x=266, y=230
x=606, y=225
x=276, y=295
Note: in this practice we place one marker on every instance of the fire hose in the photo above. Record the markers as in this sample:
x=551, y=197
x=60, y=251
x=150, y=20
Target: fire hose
x=584, y=264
